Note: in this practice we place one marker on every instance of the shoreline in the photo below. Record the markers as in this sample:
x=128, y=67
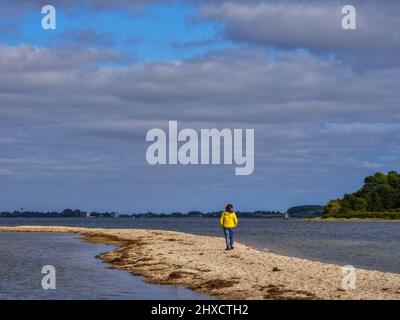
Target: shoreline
x=319, y=219
x=201, y=263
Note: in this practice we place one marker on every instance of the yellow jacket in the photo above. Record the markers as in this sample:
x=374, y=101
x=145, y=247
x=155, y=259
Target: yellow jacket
x=228, y=220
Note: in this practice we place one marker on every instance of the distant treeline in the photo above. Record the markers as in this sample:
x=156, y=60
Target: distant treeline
x=214, y=214
x=69, y=213
x=378, y=198
x=307, y=211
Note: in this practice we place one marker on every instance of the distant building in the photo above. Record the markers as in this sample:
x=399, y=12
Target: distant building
x=85, y=214
x=114, y=215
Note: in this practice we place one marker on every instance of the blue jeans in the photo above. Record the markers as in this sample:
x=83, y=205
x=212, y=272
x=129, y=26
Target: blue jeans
x=229, y=236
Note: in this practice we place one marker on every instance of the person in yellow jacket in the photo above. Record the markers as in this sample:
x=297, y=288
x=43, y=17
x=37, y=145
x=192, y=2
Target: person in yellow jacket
x=228, y=222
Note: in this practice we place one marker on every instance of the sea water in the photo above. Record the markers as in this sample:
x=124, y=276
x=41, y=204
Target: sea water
x=79, y=275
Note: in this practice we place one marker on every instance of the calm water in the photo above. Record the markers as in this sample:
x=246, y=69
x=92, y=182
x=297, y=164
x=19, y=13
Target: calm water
x=79, y=275
x=371, y=245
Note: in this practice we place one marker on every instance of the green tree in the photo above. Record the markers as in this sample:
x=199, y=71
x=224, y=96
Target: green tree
x=380, y=193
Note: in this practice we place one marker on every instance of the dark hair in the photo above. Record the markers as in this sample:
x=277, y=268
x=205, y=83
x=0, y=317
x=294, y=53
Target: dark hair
x=228, y=207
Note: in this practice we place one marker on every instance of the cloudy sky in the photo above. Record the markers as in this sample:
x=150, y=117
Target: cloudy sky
x=76, y=102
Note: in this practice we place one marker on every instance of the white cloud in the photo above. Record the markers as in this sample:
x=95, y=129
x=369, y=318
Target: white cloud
x=313, y=25
x=5, y=172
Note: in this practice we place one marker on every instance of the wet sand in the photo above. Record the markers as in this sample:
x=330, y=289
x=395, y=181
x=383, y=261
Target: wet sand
x=202, y=264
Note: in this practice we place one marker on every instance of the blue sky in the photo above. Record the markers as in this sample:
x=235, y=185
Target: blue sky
x=159, y=32
x=76, y=102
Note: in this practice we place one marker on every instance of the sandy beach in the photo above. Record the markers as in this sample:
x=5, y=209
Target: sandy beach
x=202, y=264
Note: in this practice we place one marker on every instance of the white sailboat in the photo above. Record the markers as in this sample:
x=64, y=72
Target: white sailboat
x=286, y=216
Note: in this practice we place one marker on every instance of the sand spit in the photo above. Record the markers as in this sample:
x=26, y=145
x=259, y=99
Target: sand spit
x=202, y=264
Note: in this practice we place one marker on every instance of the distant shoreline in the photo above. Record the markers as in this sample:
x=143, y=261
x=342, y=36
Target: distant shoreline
x=76, y=213
x=200, y=263
x=319, y=219
x=84, y=214
x=314, y=219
